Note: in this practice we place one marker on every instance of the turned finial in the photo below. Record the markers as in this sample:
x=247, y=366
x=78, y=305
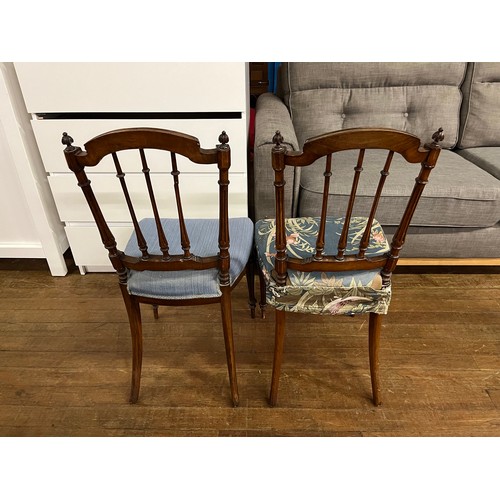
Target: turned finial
x=277, y=139
x=437, y=136
x=278, y=142
x=223, y=139
x=67, y=140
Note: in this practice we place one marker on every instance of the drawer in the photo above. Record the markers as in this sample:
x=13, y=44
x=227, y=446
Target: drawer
x=86, y=245
x=63, y=87
x=199, y=194
x=48, y=134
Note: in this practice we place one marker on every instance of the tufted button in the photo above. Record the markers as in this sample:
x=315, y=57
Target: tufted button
x=343, y=115
x=405, y=115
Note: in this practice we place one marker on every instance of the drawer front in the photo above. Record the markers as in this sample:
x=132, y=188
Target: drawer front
x=48, y=134
x=199, y=194
x=133, y=87
x=86, y=245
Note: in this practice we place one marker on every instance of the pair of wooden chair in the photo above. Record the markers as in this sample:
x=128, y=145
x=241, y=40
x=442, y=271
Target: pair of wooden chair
x=319, y=265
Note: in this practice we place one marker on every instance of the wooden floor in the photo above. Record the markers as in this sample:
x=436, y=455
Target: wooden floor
x=65, y=363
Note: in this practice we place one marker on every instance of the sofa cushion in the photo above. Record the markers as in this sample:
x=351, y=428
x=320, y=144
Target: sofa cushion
x=414, y=97
x=449, y=242
x=480, y=114
x=488, y=158
x=459, y=193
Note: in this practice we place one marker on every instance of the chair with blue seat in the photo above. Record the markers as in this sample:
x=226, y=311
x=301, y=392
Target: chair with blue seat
x=175, y=261
x=331, y=263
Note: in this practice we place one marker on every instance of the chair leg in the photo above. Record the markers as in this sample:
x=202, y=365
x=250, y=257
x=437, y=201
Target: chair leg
x=279, y=344
x=134, y=316
x=155, y=311
x=262, y=286
x=227, y=327
x=250, y=273
x=374, y=342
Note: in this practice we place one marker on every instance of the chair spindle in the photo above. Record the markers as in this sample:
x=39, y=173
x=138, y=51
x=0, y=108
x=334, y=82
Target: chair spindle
x=365, y=240
x=320, y=240
x=141, y=241
x=347, y=222
x=161, y=234
x=182, y=225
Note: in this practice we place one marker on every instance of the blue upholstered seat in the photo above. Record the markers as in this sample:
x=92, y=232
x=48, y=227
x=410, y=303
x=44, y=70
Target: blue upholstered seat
x=203, y=235
x=348, y=292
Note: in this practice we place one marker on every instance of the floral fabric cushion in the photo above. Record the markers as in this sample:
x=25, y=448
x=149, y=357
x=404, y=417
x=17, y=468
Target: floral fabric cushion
x=348, y=292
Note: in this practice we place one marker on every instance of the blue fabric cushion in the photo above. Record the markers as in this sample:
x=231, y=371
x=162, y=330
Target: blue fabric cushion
x=203, y=236
x=349, y=292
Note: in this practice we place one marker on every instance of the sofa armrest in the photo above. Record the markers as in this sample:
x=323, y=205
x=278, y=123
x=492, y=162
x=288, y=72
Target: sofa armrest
x=271, y=115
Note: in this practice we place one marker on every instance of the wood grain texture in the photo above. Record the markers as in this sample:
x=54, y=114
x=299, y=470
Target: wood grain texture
x=65, y=360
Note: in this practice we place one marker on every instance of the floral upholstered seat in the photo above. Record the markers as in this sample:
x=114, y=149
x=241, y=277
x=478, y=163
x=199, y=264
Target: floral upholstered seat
x=347, y=292
x=330, y=265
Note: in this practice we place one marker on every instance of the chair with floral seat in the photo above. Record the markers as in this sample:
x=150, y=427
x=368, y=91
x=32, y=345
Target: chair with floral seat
x=332, y=264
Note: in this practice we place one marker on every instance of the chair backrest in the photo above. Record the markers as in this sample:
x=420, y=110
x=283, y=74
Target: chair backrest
x=324, y=146
x=173, y=144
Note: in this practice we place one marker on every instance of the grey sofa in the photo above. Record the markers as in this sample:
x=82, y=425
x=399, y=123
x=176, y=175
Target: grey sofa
x=459, y=212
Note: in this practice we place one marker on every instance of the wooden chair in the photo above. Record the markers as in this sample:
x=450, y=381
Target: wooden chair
x=169, y=262
x=336, y=265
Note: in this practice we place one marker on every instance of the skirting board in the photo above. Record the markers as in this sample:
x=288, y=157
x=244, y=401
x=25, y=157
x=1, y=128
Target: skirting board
x=401, y=262
x=21, y=251
x=448, y=262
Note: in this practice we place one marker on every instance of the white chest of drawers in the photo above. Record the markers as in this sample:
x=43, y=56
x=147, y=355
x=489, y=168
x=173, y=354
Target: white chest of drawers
x=87, y=99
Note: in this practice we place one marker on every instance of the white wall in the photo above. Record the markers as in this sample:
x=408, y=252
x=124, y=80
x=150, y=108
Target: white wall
x=17, y=229
x=29, y=223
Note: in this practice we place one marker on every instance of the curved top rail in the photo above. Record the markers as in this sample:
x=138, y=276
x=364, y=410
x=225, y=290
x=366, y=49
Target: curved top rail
x=408, y=145
x=145, y=137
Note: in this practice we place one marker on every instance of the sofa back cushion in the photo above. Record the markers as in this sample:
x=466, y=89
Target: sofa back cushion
x=480, y=115
x=415, y=97
x=459, y=193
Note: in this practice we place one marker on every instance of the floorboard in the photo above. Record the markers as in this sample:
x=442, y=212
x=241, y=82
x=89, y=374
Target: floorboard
x=65, y=362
